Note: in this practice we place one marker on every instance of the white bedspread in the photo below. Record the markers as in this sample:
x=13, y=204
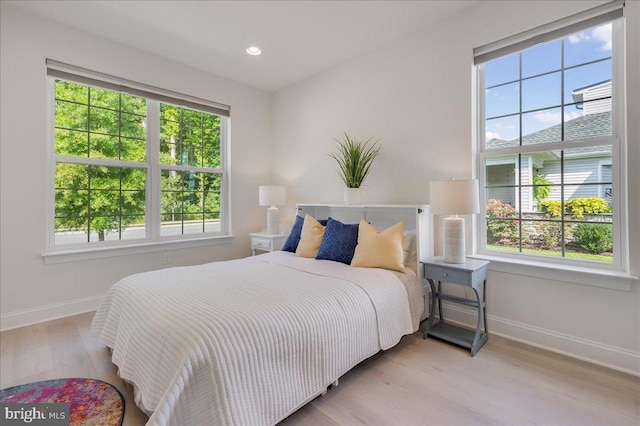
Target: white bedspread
x=248, y=341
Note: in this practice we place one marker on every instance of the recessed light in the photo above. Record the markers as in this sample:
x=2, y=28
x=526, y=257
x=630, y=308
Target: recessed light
x=253, y=50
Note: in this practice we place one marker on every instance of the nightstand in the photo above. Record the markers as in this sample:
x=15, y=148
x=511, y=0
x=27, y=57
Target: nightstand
x=267, y=242
x=472, y=273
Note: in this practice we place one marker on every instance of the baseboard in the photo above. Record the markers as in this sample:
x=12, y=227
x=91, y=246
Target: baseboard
x=586, y=350
x=607, y=356
x=48, y=312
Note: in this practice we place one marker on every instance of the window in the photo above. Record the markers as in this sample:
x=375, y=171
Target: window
x=550, y=142
x=191, y=182
x=133, y=165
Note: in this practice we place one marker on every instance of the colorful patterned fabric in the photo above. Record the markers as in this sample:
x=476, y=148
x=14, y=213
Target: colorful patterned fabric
x=91, y=402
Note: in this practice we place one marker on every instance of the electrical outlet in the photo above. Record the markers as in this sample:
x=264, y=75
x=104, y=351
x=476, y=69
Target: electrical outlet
x=165, y=259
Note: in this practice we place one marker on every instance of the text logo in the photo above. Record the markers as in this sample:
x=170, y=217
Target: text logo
x=34, y=414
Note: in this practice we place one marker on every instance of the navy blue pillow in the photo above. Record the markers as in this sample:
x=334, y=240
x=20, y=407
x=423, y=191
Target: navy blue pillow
x=339, y=242
x=294, y=237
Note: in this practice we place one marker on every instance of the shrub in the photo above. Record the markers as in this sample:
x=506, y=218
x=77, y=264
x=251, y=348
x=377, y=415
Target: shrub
x=551, y=207
x=578, y=207
x=581, y=206
x=595, y=238
x=501, y=231
x=549, y=235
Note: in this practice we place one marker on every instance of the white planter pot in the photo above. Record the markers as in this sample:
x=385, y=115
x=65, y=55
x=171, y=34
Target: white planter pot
x=353, y=195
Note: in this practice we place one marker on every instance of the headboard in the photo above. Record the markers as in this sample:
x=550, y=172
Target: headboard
x=415, y=217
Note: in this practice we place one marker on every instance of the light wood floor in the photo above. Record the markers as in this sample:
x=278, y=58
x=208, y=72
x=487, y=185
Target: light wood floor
x=418, y=382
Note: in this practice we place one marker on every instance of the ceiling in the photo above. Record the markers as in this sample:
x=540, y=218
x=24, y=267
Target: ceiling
x=297, y=38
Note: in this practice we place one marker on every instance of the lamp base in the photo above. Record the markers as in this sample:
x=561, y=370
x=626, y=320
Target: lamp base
x=273, y=220
x=454, y=242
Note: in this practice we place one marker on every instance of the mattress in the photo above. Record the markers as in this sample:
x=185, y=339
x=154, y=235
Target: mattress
x=248, y=341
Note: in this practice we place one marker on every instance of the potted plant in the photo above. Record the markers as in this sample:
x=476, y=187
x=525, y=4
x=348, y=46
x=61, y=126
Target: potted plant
x=354, y=158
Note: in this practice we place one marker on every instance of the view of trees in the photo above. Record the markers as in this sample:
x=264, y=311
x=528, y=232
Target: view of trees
x=189, y=138
x=101, y=172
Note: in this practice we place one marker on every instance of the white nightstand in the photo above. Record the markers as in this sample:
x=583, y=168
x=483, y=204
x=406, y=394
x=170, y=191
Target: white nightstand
x=267, y=242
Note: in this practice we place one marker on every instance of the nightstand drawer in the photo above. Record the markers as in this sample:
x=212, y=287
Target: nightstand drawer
x=261, y=243
x=448, y=275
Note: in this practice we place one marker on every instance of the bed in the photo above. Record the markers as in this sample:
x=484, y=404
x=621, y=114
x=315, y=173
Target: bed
x=249, y=341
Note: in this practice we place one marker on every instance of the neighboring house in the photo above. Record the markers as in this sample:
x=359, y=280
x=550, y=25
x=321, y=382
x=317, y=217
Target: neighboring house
x=594, y=98
x=587, y=171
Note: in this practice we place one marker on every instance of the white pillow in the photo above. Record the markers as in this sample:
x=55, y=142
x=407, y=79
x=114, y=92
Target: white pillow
x=410, y=250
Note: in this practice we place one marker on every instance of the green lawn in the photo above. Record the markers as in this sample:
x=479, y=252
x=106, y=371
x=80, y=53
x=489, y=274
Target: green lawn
x=569, y=255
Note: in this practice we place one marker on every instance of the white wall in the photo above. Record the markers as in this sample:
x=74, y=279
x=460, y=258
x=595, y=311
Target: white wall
x=27, y=284
x=416, y=96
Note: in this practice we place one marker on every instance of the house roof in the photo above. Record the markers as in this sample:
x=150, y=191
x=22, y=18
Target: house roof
x=584, y=127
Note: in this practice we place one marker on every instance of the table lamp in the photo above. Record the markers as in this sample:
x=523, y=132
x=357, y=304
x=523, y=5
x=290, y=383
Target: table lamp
x=272, y=196
x=454, y=197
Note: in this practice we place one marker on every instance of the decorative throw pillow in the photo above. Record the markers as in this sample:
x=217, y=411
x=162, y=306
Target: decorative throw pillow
x=294, y=236
x=379, y=249
x=410, y=249
x=339, y=241
x=310, y=237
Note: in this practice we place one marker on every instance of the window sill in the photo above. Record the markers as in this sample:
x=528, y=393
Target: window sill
x=103, y=251
x=613, y=280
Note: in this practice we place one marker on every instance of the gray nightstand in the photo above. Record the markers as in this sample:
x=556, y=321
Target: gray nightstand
x=472, y=273
x=267, y=242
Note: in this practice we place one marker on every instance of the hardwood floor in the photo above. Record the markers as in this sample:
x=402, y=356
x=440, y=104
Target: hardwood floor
x=418, y=382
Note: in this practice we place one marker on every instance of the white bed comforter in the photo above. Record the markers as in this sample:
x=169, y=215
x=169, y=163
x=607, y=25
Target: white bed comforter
x=248, y=341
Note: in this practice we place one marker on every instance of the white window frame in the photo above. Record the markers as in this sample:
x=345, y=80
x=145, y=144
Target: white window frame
x=615, y=275
x=153, y=241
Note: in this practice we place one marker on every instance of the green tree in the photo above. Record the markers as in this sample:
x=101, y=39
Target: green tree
x=189, y=138
x=97, y=123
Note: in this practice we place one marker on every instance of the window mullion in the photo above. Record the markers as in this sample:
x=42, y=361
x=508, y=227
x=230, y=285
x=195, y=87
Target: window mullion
x=51, y=175
x=98, y=161
x=519, y=163
x=619, y=158
x=563, y=223
x=225, y=210
x=153, y=192
x=552, y=146
x=481, y=224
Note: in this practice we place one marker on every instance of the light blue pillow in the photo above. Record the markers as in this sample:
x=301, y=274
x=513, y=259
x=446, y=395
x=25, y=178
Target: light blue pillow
x=339, y=242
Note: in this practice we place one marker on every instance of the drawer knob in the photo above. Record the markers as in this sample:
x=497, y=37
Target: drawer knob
x=445, y=274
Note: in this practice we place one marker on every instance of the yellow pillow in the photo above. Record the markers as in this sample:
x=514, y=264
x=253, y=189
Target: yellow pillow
x=310, y=238
x=379, y=249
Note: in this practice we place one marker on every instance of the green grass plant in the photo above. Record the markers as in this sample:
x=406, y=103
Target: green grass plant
x=354, y=159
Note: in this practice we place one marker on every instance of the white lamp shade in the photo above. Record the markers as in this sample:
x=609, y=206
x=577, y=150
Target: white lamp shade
x=454, y=197
x=271, y=195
